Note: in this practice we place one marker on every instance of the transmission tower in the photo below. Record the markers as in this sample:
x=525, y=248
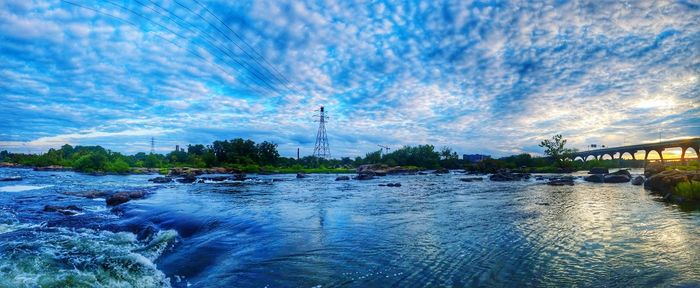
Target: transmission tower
x=153, y=145
x=321, y=149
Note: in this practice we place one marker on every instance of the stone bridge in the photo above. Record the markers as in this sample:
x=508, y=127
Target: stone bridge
x=659, y=147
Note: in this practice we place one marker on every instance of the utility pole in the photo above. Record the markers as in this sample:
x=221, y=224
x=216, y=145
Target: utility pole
x=322, y=149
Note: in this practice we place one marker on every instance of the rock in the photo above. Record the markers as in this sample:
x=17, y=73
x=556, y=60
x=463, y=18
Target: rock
x=136, y=195
x=241, y=176
x=65, y=210
x=52, y=168
x=301, y=175
x=382, y=170
x=539, y=178
x=622, y=172
x=561, y=181
x=471, y=179
x=342, y=178
x=508, y=176
x=595, y=178
x=366, y=175
x=639, y=180
x=394, y=185
x=442, y=171
x=598, y=170
x=161, y=180
x=653, y=169
x=188, y=178
x=11, y=178
x=616, y=178
x=665, y=182
x=118, y=198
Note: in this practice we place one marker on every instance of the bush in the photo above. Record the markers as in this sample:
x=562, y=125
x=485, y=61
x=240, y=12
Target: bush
x=688, y=190
x=118, y=166
x=90, y=162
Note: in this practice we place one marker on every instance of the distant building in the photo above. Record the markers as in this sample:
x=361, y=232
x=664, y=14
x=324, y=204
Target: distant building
x=474, y=158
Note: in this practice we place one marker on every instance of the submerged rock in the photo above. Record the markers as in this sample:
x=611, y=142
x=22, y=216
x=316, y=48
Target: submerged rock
x=561, y=181
x=189, y=178
x=471, y=179
x=639, y=180
x=301, y=175
x=161, y=180
x=394, y=184
x=342, y=178
x=442, y=171
x=11, y=178
x=508, y=176
x=65, y=210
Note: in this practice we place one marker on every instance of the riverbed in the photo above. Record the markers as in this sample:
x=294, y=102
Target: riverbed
x=279, y=231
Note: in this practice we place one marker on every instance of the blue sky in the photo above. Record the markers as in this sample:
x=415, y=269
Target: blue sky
x=490, y=77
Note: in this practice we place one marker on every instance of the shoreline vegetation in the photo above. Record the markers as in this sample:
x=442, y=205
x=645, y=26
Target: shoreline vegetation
x=246, y=156
x=239, y=156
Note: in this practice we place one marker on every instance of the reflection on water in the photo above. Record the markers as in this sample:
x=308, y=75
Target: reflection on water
x=432, y=231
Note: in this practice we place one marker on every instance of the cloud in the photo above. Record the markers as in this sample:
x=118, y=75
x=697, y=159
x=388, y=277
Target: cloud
x=494, y=77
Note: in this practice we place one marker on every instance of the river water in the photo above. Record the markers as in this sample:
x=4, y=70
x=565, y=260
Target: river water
x=279, y=231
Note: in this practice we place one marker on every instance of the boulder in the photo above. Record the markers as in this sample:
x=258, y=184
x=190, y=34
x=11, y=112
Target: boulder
x=188, y=178
x=561, y=181
x=639, y=180
x=239, y=176
x=653, y=169
x=136, y=195
x=394, y=185
x=342, y=178
x=118, y=198
x=161, y=180
x=665, y=182
x=65, y=210
x=622, y=172
x=301, y=175
x=598, y=170
x=471, y=179
x=508, y=176
x=595, y=178
x=11, y=178
x=616, y=178
x=366, y=175
x=442, y=171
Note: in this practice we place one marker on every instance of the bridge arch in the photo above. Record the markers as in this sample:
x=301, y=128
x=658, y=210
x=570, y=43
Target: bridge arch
x=653, y=151
x=684, y=152
x=583, y=159
x=602, y=157
x=631, y=153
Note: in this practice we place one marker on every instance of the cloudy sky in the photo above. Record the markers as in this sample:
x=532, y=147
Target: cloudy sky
x=490, y=77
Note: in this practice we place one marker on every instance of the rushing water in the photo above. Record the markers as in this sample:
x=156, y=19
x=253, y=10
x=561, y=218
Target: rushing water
x=431, y=231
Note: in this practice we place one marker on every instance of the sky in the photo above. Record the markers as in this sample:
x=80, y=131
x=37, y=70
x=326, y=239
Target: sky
x=489, y=77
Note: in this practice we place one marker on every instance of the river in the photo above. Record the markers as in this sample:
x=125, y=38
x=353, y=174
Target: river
x=279, y=231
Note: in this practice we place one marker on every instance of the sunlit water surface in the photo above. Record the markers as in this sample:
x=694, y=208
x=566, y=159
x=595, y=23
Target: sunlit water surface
x=431, y=231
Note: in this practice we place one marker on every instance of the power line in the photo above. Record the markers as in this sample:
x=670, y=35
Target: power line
x=244, y=42
x=161, y=37
x=182, y=37
x=217, y=29
x=211, y=41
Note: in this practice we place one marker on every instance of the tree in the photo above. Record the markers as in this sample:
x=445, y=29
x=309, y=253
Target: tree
x=555, y=149
x=267, y=153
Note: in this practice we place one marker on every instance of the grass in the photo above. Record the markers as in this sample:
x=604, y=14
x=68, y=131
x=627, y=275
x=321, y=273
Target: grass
x=688, y=190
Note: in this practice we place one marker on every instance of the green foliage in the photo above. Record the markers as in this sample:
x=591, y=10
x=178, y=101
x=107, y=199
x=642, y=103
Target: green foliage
x=555, y=149
x=117, y=166
x=90, y=162
x=689, y=190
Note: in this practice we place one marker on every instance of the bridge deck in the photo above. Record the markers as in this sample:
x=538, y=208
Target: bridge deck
x=690, y=142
